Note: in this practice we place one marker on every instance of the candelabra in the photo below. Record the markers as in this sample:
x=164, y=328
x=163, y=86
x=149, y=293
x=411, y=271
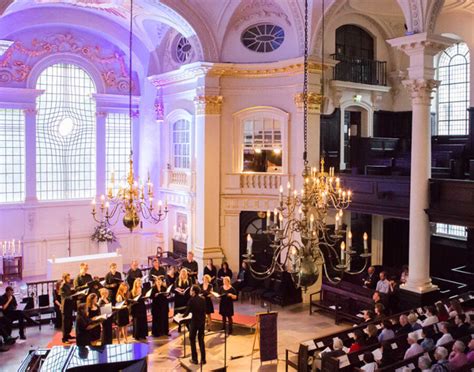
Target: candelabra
x=299, y=235
x=132, y=199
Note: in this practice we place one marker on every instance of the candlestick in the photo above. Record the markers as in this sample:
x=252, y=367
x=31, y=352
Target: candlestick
x=281, y=194
x=343, y=252
x=366, y=248
x=268, y=218
x=249, y=244
x=349, y=239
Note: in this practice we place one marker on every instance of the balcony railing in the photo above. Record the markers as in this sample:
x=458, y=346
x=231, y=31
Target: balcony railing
x=360, y=70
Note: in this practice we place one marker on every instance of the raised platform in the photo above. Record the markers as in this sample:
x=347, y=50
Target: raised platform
x=211, y=365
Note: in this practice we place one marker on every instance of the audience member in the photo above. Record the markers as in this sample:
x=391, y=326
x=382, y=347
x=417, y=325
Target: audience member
x=443, y=315
x=359, y=341
x=455, y=308
x=414, y=348
x=378, y=299
x=446, y=337
x=371, y=331
x=405, y=327
x=379, y=311
x=383, y=285
x=370, y=365
x=387, y=332
x=388, y=355
x=424, y=364
x=243, y=277
x=440, y=356
x=368, y=315
x=413, y=320
x=470, y=354
x=431, y=317
x=461, y=328
x=9, y=305
x=370, y=279
x=457, y=358
x=428, y=342
x=404, y=274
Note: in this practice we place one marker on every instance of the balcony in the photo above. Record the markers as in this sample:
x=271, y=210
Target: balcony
x=360, y=71
x=177, y=179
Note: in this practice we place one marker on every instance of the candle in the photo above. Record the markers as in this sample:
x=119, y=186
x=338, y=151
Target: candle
x=288, y=188
x=349, y=195
x=311, y=221
x=349, y=239
x=281, y=194
x=275, y=216
x=268, y=218
x=160, y=205
x=337, y=222
x=343, y=252
x=366, y=248
x=281, y=220
x=249, y=244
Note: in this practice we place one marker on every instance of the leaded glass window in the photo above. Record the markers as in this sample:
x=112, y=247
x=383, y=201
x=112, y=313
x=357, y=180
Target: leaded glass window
x=118, y=139
x=453, y=92
x=12, y=155
x=451, y=231
x=181, y=144
x=65, y=134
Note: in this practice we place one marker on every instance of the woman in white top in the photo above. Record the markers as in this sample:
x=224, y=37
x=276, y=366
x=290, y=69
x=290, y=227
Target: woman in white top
x=446, y=337
x=431, y=317
x=370, y=365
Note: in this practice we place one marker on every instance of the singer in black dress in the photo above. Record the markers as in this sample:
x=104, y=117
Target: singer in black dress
x=138, y=310
x=84, y=326
x=107, y=334
x=159, y=309
x=57, y=305
x=211, y=270
x=123, y=315
x=226, y=306
x=206, y=289
x=93, y=310
x=67, y=306
x=181, y=290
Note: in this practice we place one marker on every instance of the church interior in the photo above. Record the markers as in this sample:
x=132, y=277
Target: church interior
x=243, y=185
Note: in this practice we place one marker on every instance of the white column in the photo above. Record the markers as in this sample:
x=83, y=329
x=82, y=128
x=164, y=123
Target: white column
x=421, y=49
x=376, y=243
x=207, y=216
x=101, y=178
x=30, y=155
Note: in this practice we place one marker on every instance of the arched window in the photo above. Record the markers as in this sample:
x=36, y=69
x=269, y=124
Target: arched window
x=65, y=134
x=453, y=92
x=181, y=144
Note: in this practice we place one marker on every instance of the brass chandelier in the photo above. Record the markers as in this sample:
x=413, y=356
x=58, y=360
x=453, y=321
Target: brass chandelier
x=133, y=199
x=299, y=236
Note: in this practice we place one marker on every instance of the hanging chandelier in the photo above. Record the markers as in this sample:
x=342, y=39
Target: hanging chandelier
x=133, y=199
x=298, y=233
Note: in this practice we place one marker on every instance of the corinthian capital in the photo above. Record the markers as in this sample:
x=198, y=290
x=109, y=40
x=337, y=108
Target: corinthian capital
x=314, y=101
x=421, y=89
x=208, y=105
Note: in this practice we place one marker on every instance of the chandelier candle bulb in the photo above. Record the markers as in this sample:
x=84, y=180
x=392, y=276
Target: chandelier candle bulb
x=343, y=252
x=268, y=218
x=281, y=220
x=349, y=239
x=275, y=216
x=337, y=222
x=249, y=244
x=366, y=248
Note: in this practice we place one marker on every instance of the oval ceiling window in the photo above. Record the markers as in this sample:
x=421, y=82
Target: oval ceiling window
x=183, y=50
x=263, y=38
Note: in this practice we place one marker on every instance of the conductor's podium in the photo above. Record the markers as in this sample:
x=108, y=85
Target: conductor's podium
x=109, y=358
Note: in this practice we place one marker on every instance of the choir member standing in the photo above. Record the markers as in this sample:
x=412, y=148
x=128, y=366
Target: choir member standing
x=138, y=310
x=171, y=276
x=206, y=290
x=192, y=266
x=159, y=308
x=223, y=272
x=84, y=326
x=133, y=273
x=157, y=270
x=93, y=311
x=181, y=290
x=67, y=306
x=211, y=270
x=57, y=305
x=104, y=300
x=112, y=281
x=226, y=306
x=123, y=315
x=82, y=280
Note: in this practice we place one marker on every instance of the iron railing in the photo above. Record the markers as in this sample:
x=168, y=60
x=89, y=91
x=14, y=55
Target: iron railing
x=360, y=70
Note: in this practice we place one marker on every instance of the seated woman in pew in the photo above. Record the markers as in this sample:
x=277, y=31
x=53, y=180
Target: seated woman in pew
x=370, y=365
x=107, y=334
x=424, y=364
x=93, y=311
x=440, y=355
x=455, y=308
x=431, y=316
x=138, y=312
x=359, y=341
x=443, y=315
x=428, y=343
x=414, y=348
x=457, y=359
x=371, y=331
x=446, y=337
x=413, y=320
x=379, y=311
x=387, y=332
x=84, y=326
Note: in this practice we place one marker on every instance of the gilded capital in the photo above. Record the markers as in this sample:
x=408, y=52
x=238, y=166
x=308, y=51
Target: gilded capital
x=208, y=105
x=314, y=101
x=421, y=89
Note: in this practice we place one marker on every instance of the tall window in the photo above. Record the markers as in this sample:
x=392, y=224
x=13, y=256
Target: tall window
x=65, y=134
x=117, y=127
x=451, y=231
x=12, y=155
x=262, y=145
x=453, y=93
x=181, y=144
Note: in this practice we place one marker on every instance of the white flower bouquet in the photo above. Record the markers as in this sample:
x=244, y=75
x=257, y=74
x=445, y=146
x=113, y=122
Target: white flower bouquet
x=103, y=233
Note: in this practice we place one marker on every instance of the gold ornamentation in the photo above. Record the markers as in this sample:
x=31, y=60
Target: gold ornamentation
x=314, y=101
x=208, y=105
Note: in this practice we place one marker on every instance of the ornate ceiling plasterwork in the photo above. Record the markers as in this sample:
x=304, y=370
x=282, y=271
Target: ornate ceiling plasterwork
x=459, y=5
x=258, y=10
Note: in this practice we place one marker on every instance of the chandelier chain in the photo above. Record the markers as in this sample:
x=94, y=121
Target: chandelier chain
x=130, y=71
x=305, y=85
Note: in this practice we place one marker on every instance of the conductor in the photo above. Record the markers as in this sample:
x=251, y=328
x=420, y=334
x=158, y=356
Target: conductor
x=197, y=307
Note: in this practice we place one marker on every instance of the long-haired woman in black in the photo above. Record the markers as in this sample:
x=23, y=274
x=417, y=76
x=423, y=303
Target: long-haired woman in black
x=159, y=308
x=138, y=310
x=181, y=290
x=107, y=334
x=206, y=289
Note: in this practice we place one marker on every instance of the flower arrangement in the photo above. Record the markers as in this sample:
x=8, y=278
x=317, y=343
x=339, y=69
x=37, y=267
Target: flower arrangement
x=103, y=233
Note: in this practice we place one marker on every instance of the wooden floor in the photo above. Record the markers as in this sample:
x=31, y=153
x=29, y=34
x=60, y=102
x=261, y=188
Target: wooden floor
x=294, y=325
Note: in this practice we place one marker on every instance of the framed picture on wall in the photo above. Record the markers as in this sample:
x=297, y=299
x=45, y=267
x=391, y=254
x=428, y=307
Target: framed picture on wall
x=180, y=229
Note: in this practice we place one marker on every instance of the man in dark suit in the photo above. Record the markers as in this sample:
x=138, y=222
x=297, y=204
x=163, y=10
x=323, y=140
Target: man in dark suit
x=370, y=279
x=9, y=305
x=192, y=266
x=197, y=307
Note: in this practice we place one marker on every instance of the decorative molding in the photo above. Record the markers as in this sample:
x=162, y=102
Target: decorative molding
x=208, y=105
x=314, y=101
x=421, y=90
x=258, y=10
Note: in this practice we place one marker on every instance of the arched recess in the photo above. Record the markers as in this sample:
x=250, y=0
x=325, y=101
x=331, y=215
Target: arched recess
x=171, y=119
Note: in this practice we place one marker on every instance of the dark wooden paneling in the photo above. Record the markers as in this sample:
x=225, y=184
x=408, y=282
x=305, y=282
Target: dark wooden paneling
x=330, y=138
x=392, y=124
x=387, y=196
x=395, y=242
x=452, y=201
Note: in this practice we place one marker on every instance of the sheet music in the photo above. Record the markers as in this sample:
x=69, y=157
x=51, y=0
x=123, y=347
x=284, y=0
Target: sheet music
x=21, y=306
x=343, y=361
x=215, y=294
x=135, y=299
x=311, y=345
x=178, y=318
x=377, y=353
x=120, y=305
x=106, y=309
x=148, y=294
